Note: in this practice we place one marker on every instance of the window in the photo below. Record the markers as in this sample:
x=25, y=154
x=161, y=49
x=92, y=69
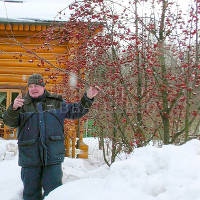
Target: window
x=3, y=97
x=13, y=96
x=7, y=96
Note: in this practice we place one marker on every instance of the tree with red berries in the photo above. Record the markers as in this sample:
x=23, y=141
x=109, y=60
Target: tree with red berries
x=145, y=59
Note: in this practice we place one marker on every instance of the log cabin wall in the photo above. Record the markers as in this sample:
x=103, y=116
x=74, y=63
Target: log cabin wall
x=21, y=50
x=17, y=42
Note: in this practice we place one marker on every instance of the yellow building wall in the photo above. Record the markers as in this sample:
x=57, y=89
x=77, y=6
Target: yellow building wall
x=22, y=53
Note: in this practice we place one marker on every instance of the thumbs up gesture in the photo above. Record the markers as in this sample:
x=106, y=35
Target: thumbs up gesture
x=18, y=102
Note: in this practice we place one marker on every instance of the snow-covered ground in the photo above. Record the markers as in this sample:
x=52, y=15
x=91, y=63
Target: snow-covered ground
x=150, y=173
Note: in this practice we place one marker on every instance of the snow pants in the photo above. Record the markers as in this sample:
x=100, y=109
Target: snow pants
x=39, y=181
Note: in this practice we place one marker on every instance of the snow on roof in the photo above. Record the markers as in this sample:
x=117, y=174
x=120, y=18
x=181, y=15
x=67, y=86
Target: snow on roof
x=33, y=10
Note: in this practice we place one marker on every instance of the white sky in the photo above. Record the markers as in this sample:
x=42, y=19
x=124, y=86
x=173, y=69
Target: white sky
x=39, y=9
x=150, y=173
x=48, y=9
x=145, y=7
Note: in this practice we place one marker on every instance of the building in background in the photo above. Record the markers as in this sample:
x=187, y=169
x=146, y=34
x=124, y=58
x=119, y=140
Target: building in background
x=22, y=53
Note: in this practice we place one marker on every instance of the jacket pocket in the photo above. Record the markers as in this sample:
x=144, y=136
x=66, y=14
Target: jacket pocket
x=56, y=137
x=29, y=153
x=27, y=142
x=56, y=149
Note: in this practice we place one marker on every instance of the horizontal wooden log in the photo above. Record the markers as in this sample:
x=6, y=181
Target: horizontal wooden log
x=35, y=67
x=27, y=63
x=20, y=33
x=22, y=39
x=24, y=78
x=28, y=71
x=18, y=79
x=29, y=47
x=28, y=56
x=27, y=40
x=9, y=85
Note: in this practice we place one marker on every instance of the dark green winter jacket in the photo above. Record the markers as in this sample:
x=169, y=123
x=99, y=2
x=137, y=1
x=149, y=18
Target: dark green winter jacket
x=40, y=127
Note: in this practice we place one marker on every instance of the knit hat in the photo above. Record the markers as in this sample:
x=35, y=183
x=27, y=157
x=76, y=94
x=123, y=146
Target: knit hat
x=36, y=79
